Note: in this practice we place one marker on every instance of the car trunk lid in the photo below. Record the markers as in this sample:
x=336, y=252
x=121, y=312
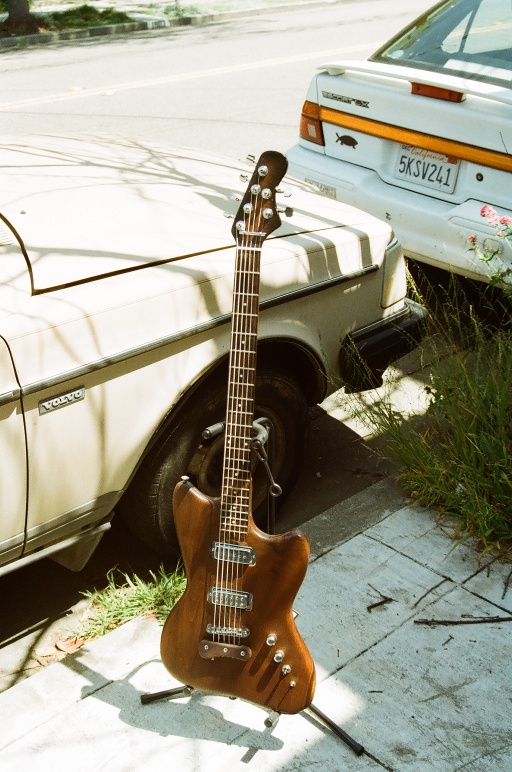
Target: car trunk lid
x=424, y=131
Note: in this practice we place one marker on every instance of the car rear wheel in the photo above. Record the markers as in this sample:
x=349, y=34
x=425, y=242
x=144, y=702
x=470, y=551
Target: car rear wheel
x=147, y=505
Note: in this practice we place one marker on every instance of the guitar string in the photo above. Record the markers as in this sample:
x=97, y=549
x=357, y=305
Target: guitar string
x=243, y=360
x=222, y=617
x=247, y=362
x=236, y=482
x=250, y=301
x=239, y=391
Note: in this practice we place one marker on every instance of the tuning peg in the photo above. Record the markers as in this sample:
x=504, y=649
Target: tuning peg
x=251, y=158
x=286, y=210
x=229, y=215
x=235, y=197
x=286, y=192
x=244, y=177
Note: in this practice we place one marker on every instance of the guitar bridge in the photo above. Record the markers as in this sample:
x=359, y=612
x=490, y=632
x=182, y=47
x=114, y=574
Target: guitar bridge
x=221, y=596
x=211, y=650
x=232, y=632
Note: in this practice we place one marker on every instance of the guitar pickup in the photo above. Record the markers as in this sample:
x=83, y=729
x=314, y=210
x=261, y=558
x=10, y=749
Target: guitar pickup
x=221, y=596
x=233, y=553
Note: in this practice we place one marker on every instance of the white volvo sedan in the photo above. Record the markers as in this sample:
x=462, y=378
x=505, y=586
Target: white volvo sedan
x=421, y=134
x=116, y=276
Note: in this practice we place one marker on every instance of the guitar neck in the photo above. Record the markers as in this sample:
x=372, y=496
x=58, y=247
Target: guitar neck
x=255, y=219
x=236, y=473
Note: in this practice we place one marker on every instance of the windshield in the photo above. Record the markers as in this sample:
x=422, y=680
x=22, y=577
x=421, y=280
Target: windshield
x=469, y=38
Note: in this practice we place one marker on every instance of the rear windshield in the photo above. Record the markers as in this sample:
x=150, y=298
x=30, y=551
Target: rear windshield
x=470, y=38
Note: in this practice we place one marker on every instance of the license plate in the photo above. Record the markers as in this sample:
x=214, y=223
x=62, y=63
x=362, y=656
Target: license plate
x=426, y=168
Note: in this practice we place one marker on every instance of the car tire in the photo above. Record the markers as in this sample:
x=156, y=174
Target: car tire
x=147, y=504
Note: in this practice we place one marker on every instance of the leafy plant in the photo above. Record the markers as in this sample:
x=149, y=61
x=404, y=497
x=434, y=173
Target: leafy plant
x=86, y=16
x=490, y=253
x=456, y=456
x=119, y=603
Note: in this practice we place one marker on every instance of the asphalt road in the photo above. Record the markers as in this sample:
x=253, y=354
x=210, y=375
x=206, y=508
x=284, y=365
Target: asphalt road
x=231, y=87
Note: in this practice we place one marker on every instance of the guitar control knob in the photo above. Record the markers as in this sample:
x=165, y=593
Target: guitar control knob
x=279, y=656
x=271, y=640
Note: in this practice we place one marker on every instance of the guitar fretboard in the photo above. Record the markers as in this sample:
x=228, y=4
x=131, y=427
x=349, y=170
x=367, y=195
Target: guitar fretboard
x=256, y=217
x=236, y=477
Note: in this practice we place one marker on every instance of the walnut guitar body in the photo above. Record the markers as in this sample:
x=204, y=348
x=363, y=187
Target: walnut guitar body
x=271, y=666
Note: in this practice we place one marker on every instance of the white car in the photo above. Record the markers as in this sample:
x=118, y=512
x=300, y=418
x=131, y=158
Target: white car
x=420, y=135
x=116, y=276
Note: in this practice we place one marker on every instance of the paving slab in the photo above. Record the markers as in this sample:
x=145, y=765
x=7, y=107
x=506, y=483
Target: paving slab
x=418, y=696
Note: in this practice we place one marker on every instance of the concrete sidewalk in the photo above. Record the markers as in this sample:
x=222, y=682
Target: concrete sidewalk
x=147, y=16
x=417, y=696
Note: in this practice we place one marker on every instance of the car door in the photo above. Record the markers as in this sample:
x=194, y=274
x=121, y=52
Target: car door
x=13, y=465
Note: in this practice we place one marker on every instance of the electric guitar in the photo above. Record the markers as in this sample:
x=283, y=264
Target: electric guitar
x=232, y=632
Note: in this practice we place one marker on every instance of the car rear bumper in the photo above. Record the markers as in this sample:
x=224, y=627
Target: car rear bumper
x=429, y=229
x=366, y=353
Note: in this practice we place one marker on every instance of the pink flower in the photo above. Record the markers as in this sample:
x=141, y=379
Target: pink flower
x=487, y=211
x=505, y=220
x=472, y=239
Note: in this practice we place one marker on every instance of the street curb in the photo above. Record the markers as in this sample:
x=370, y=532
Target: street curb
x=46, y=38
x=353, y=516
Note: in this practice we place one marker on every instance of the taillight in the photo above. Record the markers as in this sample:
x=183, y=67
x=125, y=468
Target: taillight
x=310, y=124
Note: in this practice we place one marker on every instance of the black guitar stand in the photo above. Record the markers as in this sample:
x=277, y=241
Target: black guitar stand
x=271, y=720
x=263, y=434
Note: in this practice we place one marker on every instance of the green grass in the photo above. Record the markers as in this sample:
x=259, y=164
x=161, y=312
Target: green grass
x=86, y=16
x=457, y=456
x=120, y=602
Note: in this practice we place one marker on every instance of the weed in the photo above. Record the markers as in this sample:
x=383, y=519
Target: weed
x=456, y=457
x=86, y=16
x=119, y=603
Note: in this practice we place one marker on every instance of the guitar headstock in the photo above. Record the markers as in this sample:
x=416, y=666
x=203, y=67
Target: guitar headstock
x=257, y=215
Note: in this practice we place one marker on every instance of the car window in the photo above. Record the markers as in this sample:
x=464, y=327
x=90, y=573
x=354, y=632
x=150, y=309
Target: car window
x=471, y=38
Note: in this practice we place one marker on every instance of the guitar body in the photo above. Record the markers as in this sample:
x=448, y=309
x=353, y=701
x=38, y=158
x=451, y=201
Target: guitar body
x=248, y=671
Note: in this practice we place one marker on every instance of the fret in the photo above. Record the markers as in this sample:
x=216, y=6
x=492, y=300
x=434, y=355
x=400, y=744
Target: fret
x=238, y=509
x=236, y=477
x=230, y=513
x=242, y=494
x=235, y=518
x=234, y=452
x=230, y=516
x=229, y=484
x=237, y=506
x=232, y=482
